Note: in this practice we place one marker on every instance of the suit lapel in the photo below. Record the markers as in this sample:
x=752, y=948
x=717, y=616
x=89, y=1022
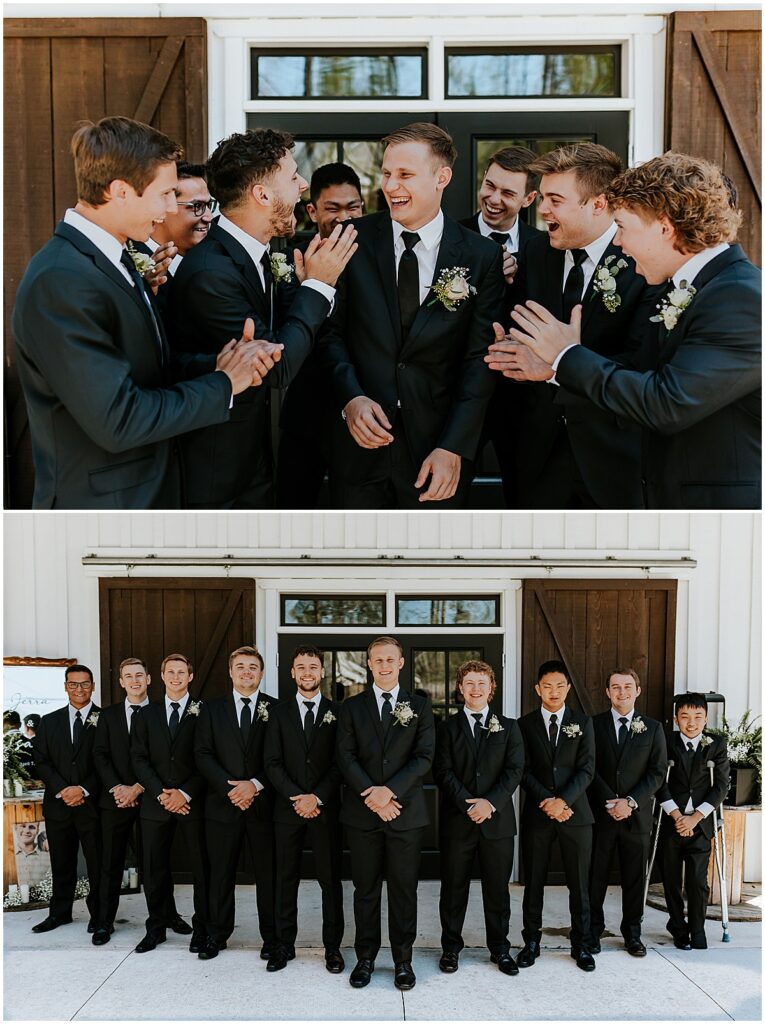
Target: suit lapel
x=242, y=259
x=539, y=724
x=554, y=276
x=463, y=726
x=374, y=714
x=449, y=255
x=386, y=267
x=293, y=713
x=592, y=302
x=229, y=712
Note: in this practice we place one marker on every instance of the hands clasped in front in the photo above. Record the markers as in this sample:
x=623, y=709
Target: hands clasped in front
x=382, y=801
x=555, y=807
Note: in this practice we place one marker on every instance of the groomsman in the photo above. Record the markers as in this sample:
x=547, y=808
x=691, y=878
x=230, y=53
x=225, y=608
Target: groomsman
x=63, y=754
x=406, y=362
x=560, y=765
x=478, y=766
x=630, y=764
x=689, y=796
x=162, y=749
x=300, y=762
x=230, y=754
x=697, y=395
x=385, y=743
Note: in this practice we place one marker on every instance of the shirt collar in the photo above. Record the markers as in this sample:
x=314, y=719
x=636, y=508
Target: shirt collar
x=469, y=713
x=512, y=233
x=379, y=693
x=687, y=739
x=143, y=703
x=106, y=243
x=183, y=702
x=430, y=233
x=693, y=267
x=238, y=697
x=84, y=712
x=617, y=716
x=596, y=249
x=251, y=245
x=546, y=714
x=304, y=700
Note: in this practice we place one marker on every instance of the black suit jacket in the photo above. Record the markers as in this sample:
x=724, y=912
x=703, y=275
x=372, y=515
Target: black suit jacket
x=400, y=760
x=637, y=770
x=59, y=764
x=525, y=232
x=493, y=774
x=434, y=385
x=111, y=752
x=215, y=289
x=699, y=402
x=295, y=767
x=692, y=780
x=221, y=755
x=161, y=763
x=606, y=447
x=567, y=773
x=103, y=411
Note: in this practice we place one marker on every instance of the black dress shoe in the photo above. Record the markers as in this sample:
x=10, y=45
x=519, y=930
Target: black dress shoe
x=149, y=942
x=268, y=950
x=682, y=943
x=361, y=974
x=505, y=963
x=92, y=927
x=181, y=927
x=198, y=941
x=449, y=962
x=50, y=923
x=594, y=947
x=333, y=960
x=278, y=960
x=211, y=949
x=584, y=960
x=101, y=936
x=528, y=954
x=698, y=943
x=403, y=977
x=635, y=947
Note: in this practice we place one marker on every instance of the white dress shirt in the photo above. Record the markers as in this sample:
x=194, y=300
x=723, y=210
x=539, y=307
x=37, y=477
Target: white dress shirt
x=426, y=250
x=183, y=701
x=471, y=721
x=84, y=712
x=130, y=714
x=513, y=234
x=617, y=724
x=704, y=809
x=175, y=262
x=379, y=696
x=693, y=267
x=546, y=716
x=239, y=706
x=301, y=703
x=105, y=242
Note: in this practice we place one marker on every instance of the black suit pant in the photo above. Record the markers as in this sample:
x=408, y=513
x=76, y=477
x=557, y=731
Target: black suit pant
x=64, y=839
x=632, y=849
x=158, y=839
x=576, y=848
x=225, y=840
x=395, y=855
x=323, y=837
x=557, y=483
x=300, y=470
x=692, y=853
x=495, y=858
x=118, y=826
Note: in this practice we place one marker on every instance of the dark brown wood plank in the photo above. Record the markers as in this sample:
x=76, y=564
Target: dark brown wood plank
x=128, y=62
x=116, y=637
x=215, y=639
x=101, y=27
x=182, y=630
x=195, y=95
x=159, y=78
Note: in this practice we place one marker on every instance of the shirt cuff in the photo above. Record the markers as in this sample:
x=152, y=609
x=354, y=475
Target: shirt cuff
x=323, y=289
x=705, y=809
x=552, y=380
x=185, y=795
x=668, y=806
x=319, y=802
x=556, y=361
x=88, y=794
x=258, y=785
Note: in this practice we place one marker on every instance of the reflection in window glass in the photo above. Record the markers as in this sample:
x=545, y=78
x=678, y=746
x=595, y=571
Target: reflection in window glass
x=345, y=674
x=334, y=611
x=336, y=75
x=435, y=672
x=532, y=74
x=453, y=611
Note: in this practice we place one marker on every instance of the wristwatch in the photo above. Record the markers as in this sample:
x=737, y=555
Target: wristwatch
x=632, y=802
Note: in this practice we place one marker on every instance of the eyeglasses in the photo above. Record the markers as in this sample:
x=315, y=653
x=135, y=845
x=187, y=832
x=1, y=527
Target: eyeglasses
x=79, y=686
x=198, y=206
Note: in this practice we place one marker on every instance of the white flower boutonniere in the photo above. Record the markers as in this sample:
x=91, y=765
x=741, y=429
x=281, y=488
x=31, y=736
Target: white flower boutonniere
x=493, y=725
x=143, y=263
x=638, y=725
x=572, y=730
x=194, y=707
x=604, y=282
x=93, y=718
x=673, y=305
x=452, y=288
x=282, y=270
x=402, y=713
x=705, y=741
x=328, y=717
x=262, y=710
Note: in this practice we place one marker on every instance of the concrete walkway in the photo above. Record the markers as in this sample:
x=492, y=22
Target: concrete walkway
x=62, y=976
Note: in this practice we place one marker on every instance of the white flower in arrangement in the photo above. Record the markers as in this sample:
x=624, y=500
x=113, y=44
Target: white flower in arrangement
x=705, y=741
x=93, y=718
x=738, y=753
x=327, y=719
x=638, y=725
x=572, y=730
x=604, y=282
x=452, y=288
x=493, y=725
x=142, y=261
x=262, y=707
x=194, y=707
x=281, y=270
x=673, y=305
x=403, y=713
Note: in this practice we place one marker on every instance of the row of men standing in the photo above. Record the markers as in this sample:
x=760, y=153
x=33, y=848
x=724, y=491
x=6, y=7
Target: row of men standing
x=248, y=768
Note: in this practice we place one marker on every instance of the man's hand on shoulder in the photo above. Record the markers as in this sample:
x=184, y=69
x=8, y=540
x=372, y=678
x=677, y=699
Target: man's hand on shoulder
x=368, y=424
x=443, y=468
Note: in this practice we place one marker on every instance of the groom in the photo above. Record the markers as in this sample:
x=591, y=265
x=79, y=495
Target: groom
x=404, y=359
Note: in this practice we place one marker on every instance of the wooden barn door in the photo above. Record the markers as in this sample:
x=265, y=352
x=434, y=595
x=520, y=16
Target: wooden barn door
x=59, y=71
x=714, y=72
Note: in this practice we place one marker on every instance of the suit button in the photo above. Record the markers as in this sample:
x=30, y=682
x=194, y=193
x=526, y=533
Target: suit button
x=478, y=775
x=402, y=366
x=385, y=761
x=308, y=760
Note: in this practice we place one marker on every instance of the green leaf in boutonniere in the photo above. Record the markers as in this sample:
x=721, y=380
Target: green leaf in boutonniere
x=143, y=263
x=604, y=282
x=452, y=288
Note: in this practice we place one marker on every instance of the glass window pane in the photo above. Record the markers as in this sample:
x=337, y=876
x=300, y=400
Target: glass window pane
x=453, y=611
x=365, y=157
x=333, y=611
x=430, y=675
x=346, y=672
x=337, y=75
x=532, y=74
x=280, y=76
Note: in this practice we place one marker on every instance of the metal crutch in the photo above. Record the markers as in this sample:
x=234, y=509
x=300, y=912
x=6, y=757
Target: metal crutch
x=670, y=765
x=720, y=859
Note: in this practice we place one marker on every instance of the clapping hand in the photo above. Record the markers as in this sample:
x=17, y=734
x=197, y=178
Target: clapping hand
x=514, y=360
x=246, y=361
x=326, y=258
x=543, y=333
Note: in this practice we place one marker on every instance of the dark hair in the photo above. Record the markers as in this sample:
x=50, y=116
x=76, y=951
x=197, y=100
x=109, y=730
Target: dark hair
x=307, y=651
x=245, y=159
x=251, y=651
x=32, y=721
x=441, y=143
x=517, y=159
x=77, y=668
x=12, y=718
x=547, y=667
x=333, y=174
x=191, y=170
x=691, y=699
x=594, y=166
x=118, y=148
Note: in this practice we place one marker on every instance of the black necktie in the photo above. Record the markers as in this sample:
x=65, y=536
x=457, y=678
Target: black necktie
x=175, y=719
x=133, y=709
x=408, y=281
x=499, y=236
x=553, y=730
x=77, y=730
x=689, y=748
x=309, y=720
x=622, y=732
x=572, y=292
x=127, y=262
x=268, y=277
x=387, y=712
x=476, y=716
x=245, y=719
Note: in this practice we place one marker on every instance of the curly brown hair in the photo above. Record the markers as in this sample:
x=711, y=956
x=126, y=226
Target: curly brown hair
x=690, y=192
x=594, y=166
x=245, y=159
x=476, y=666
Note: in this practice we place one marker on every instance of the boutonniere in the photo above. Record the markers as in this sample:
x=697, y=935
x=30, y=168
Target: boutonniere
x=195, y=706
x=262, y=708
x=572, y=731
x=673, y=305
x=452, y=288
x=705, y=741
x=281, y=270
x=403, y=713
x=143, y=263
x=93, y=718
x=493, y=725
x=638, y=725
x=604, y=282
x=328, y=717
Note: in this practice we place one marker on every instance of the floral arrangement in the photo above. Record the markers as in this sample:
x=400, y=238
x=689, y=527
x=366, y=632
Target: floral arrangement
x=195, y=706
x=673, y=305
x=93, y=719
x=144, y=264
x=328, y=717
x=403, y=713
x=638, y=725
x=14, y=769
x=452, y=288
x=572, y=730
x=744, y=743
x=43, y=892
x=262, y=707
x=604, y=282
x=281, y=270
x=493, y=725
